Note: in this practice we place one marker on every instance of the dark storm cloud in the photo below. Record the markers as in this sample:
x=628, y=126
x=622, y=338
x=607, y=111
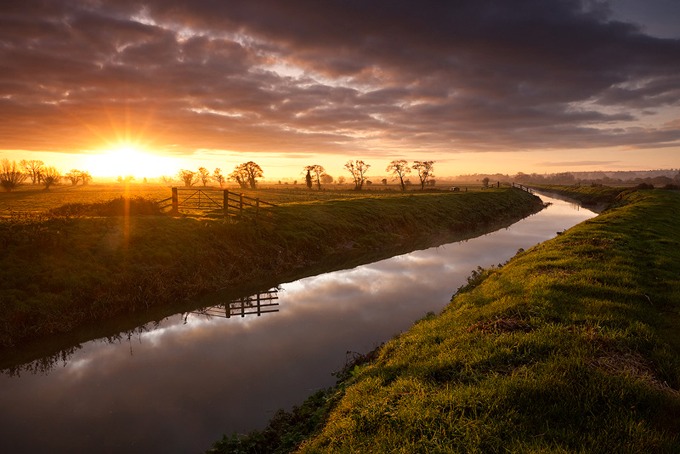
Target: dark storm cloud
x=304, y=75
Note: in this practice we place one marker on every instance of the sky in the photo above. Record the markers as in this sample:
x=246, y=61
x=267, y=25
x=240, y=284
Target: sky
x=122, y=87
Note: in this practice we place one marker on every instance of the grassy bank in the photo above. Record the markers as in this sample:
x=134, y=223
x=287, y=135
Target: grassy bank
x=81, y=265
x=571, y=347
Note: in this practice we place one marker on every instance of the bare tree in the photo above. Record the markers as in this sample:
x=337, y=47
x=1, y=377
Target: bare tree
x=50, y=176
x=217, y=176
x=203, y=175
x=317, y=170
x=358, y=170
x=425, y=171
x=85, y=178
x=33, y=168
x=240, y=176
x=10, y=175
x=189, y=177
x=400, y=169
x=73, y=176
x=246, y=174
x=308, y=178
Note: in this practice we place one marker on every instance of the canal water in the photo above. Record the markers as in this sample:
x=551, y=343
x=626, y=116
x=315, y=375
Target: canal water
x=178, y=385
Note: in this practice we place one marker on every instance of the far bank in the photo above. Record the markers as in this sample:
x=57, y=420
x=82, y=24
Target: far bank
x=68, y=271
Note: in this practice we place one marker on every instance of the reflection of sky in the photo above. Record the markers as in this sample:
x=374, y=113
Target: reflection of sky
x=179, y=386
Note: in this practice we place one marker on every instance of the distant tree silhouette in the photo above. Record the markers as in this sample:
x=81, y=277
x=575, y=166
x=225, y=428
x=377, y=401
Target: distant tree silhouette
x=33, y=168
x=189, y=177
x=246, y=174
x=217, y=176
x=425, y=171
x=400, y=169
x=85, y=178
x=203, y=175
x=358, y=171
x=49, y=177
x=10, y=175
x=73, y=176
x=317, y=170
x=308, y=178
x=485, y=182
x=326, y=179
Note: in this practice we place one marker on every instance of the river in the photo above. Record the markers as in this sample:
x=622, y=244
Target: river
x=178, y=385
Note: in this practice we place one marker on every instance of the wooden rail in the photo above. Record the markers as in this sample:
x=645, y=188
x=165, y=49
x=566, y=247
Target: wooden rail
x=228, y=203
x=522, y=187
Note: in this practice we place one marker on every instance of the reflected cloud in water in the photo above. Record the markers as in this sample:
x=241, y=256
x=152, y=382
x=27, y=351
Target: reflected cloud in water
x=178, y=385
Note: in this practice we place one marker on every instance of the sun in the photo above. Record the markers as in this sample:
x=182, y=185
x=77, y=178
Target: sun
x=128, y=159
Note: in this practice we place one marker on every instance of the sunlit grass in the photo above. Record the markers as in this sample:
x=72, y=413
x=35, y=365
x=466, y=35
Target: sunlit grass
x=571, y=347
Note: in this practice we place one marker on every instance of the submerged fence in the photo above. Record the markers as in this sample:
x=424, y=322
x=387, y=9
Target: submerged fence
x=224, y=202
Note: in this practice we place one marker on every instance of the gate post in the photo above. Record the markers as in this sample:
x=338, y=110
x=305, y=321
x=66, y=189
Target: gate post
x=240, y=205
x=175, y=201
x=225, y=207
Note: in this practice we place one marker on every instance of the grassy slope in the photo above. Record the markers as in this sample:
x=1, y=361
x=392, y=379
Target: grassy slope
x=64, y=272
x=571, y=347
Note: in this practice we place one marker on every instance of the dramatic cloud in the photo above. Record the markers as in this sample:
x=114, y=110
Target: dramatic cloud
x=304, y=76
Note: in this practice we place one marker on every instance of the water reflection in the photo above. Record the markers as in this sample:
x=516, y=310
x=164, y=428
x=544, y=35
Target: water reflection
x=177, y=385
x=257, y=304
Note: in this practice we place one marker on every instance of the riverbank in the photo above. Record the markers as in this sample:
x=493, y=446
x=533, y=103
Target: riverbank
x=572, y=346
x=63, y=272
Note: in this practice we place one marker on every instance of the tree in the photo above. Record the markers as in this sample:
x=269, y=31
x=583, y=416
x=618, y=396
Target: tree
x=358, y=171
x=308, y=178
x=341, y=179
x=33, y=168
x=203, y=175
x=85, y=178
x=240, y=176
x=50, y=176
x=317, y=170
x=73, y=176
x=246, y=174
x=485, y=182
x=399, y=168
x=425, y=171
x=326, y=179
x=217, y=176
x=189, y=177
x=10, y=175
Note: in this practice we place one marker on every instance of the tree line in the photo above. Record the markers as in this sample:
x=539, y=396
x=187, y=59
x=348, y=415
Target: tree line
x=246, y=175
x=12, y=175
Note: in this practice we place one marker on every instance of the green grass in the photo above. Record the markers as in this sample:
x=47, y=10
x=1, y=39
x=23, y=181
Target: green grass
x=65, y=271
x=571, y=347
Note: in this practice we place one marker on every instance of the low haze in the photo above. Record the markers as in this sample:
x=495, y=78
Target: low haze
x=146, y=88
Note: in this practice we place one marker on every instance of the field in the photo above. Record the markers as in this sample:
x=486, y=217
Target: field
x=33, y=199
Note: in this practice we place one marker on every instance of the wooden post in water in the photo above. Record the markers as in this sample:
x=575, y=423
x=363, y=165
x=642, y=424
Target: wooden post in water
x=225, y=208
x=175, y=201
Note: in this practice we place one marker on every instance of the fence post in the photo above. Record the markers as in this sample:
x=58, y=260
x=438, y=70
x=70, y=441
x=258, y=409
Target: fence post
x=175, y=201
x=240, y=204
x=257, y=207
x=225, y=207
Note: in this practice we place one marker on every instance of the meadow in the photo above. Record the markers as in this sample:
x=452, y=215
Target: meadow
x=572, y=346
x=84, y=262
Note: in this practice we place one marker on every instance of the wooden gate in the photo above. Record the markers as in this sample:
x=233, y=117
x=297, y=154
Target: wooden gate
x=225, y=202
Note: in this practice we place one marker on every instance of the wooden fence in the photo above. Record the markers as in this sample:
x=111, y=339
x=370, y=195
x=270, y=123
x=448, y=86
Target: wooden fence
x=225, y=202
x=522, y=187
x=257, y=304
